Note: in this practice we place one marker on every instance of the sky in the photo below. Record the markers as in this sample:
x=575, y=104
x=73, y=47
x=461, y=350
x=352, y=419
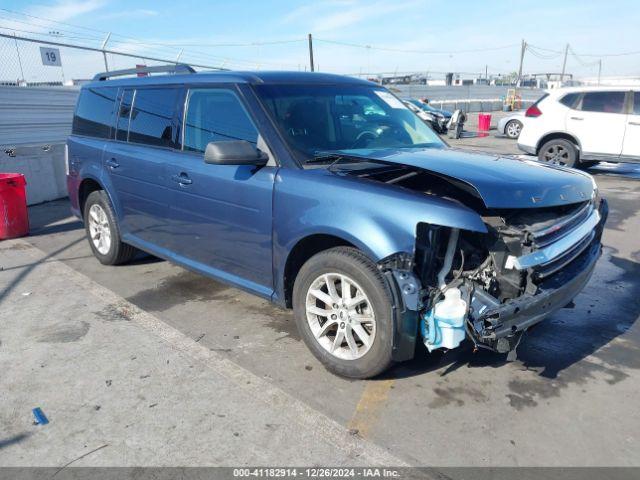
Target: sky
x=403, y=35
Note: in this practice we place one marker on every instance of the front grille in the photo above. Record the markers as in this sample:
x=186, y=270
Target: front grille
x=563, y=226
x=557, y=241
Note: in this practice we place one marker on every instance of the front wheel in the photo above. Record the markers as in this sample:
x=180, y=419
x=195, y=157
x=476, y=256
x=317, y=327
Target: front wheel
x=558, y=152
x=343, y=311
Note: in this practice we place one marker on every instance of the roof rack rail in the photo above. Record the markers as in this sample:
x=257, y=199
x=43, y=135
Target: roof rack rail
x=177, y=68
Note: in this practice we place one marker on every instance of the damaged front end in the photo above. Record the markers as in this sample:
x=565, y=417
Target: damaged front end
x=531, y=263
x=540, y=247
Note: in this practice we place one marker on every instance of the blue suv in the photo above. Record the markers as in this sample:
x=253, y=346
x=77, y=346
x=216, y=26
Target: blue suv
x=325, y=194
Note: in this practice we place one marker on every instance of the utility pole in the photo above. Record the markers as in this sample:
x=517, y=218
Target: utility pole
x=599, y=70
x=311, y=53
x=564, y=63
x=523, y=49
x=486, y=74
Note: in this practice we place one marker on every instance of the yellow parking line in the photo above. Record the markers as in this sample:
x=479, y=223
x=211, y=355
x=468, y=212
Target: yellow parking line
x=368, y=409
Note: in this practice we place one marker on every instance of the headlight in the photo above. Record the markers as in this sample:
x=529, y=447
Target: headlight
x=594, y=196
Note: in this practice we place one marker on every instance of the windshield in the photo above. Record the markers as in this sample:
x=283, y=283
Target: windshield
x=319, y=119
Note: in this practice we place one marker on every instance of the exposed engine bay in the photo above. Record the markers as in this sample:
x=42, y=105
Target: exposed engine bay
x=491, y=287
x=505, y=278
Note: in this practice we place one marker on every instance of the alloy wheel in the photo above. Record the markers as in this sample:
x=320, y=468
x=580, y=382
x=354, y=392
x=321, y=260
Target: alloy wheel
x=340, y=316
x=513, y=129
x=99, y=229
x=557, y=154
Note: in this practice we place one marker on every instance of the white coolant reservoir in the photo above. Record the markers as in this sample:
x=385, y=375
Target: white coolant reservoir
x=445, y=323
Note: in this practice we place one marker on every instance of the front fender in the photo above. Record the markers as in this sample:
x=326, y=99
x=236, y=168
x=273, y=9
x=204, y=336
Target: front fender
x=377, y=218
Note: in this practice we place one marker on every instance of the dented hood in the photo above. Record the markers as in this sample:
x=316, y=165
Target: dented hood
x=500, y=182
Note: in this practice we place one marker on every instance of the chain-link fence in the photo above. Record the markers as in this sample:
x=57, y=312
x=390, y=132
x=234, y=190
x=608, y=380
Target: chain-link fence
x=31, y=62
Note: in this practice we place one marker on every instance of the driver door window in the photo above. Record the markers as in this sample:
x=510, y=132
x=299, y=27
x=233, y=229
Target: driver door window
x=215, y=115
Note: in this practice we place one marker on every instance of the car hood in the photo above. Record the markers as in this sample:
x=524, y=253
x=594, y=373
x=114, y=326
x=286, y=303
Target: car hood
x=499, y=181
x=444, y=113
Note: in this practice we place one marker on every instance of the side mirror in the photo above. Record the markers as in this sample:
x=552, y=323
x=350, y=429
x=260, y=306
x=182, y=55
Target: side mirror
x=234, y=152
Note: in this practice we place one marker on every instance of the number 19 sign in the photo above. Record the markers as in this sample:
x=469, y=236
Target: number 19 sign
x=50, y=56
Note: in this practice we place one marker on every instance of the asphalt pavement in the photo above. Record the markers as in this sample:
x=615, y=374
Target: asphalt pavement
x=166, y=367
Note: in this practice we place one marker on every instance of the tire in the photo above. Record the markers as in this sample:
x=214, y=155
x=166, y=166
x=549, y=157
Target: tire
x=558, y=152
x=513, y=128
x=102, y=231
x=372, y=320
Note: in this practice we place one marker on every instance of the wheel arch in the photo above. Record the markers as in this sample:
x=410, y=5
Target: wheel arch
x=86, y=188
x=558, y=134
x=303, y=250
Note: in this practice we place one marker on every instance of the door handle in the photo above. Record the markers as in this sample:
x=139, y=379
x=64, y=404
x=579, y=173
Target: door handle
x=577, y=118
x=634, y=123
x=112, y=163
x=183, y=179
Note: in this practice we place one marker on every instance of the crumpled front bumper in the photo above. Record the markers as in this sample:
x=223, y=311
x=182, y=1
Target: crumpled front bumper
x=553, y=294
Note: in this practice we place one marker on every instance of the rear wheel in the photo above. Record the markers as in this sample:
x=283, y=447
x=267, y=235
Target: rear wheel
x=558, y=152
x=343, y=310
x=513, y=129
x=103, y=232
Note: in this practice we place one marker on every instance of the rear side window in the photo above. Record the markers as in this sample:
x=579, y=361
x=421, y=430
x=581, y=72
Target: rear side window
x=152, y=116
x=94, y=112
x=569, y=100
x=636, y=103
x=213, y=115
x=606, y=102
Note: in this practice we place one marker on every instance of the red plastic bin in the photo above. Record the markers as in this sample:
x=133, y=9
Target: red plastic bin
x=14, y=219
x=484, y=123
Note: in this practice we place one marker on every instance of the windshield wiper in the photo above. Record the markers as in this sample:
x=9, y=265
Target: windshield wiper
x=325, y=158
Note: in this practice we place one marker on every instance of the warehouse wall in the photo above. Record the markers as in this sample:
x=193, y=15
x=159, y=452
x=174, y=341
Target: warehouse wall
x=34, y=125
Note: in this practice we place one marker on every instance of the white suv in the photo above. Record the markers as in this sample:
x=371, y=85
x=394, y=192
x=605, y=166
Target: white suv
x=580, y=126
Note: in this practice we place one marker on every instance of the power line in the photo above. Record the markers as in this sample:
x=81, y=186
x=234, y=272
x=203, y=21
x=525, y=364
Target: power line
x=595, y=55
x=535, y=52
x=580, y=61
x=401, y=50
x=172, y=45
x=154, y=51
x=31, y=24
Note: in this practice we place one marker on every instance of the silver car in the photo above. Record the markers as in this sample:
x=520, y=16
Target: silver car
x=511, y=125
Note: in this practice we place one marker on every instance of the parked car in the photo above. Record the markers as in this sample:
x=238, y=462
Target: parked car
x=511, y=125
x=426, y=106
x=325, y=194
x=441, y=117
x=580, y=126
x=438, y=123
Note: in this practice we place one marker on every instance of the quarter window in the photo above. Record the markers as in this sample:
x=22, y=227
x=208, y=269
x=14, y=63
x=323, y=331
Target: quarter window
x=94, y=112
x=215, y=115
x=606, y=102
x=152, y=116
x=569, y=100
x=636, y=103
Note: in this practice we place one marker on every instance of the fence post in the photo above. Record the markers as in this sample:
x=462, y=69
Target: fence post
x=104, y=54
x=19, y=60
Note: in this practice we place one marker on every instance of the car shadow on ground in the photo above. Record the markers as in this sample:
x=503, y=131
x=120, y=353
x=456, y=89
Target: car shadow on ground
x=606, y=309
